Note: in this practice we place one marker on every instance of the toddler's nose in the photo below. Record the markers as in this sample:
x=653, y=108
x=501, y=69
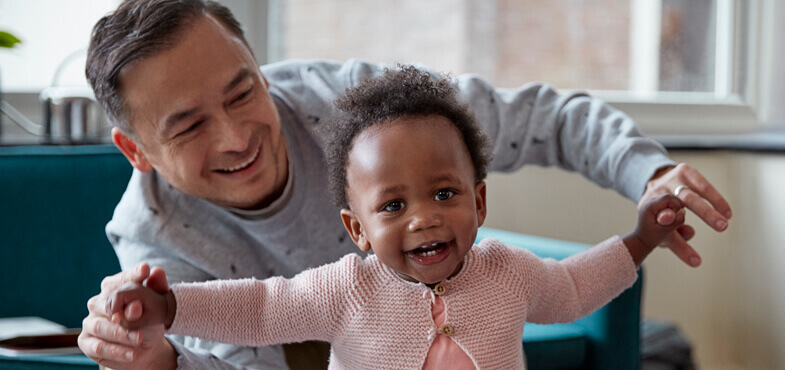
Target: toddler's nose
x=424, y=220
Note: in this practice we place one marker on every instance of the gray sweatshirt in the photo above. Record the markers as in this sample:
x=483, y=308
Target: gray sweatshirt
x=196, y=240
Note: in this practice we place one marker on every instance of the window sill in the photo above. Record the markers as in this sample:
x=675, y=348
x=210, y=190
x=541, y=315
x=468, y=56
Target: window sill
x=757, y=142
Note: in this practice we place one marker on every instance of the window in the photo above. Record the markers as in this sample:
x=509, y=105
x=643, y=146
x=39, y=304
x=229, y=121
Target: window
x=53, y=33
x=666, y=62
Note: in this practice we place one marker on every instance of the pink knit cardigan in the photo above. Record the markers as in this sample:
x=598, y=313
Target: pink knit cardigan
x=376, y=320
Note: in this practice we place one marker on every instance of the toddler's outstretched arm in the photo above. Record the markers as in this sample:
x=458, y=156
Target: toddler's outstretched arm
x=649, y=233
x=157, y=308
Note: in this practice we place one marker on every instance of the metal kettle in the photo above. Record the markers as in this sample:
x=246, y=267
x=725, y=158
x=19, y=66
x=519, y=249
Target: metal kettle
x=73, y=116
x=71, y=113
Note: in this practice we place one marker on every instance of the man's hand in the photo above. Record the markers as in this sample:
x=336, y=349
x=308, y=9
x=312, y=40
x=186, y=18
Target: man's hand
x=699, y=196
x=111, y=345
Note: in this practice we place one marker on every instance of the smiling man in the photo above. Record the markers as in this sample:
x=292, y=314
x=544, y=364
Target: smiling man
x=230, y=178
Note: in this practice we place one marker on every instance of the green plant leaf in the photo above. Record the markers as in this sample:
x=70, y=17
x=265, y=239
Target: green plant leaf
x=8, y=40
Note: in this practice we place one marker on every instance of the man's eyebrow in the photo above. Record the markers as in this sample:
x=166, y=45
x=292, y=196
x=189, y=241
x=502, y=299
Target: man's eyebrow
x=239, y=77
x=177, y=117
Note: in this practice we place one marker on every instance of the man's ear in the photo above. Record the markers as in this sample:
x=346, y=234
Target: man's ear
x=479, y=200
x=130, y=150
x=264, y=80
x=355, y=229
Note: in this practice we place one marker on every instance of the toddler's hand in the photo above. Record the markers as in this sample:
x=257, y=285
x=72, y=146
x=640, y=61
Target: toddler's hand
x=156, y=308
x=649, y=233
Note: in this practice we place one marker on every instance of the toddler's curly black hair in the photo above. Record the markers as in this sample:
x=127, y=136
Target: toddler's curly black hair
x=398, y=92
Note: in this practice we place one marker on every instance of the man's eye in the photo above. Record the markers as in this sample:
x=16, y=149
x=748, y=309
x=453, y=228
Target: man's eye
x=190, y=128
x=393, y=206
x=243, y=95
x=444, y=194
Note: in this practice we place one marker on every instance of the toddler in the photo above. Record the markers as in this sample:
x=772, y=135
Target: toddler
x=407, y=166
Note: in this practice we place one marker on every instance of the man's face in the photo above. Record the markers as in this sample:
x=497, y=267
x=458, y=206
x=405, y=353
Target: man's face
x=412, y=193
x=204, y=121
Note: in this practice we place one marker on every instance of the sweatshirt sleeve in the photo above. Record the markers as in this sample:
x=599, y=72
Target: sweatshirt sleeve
x=567, y=290
x=534, y=124
x=250, y=312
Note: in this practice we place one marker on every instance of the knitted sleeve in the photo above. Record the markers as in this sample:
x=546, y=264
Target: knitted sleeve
x=309, y=306
x=567, y=290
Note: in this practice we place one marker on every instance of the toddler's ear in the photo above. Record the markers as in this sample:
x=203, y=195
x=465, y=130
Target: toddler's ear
x=355, y=229
x=479, y=201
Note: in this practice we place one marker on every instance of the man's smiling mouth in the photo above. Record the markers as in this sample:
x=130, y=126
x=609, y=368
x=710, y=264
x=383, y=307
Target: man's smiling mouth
x=242, y=165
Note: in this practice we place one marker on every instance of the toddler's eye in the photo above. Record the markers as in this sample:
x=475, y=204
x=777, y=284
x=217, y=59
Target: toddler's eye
x=393, y=206
x=444, y=194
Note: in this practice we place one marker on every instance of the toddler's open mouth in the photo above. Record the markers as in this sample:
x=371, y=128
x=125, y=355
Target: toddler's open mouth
x=431, y=253
x=429, y=250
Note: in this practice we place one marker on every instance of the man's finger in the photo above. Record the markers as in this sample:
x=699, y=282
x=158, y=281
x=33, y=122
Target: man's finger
x=686, y=232
x=100, y=327
x=707, y=191
x=104, y=351
x=681, y=249
x=157, y=280
x=137, y=275
x=97, y=305
x=112, y=282
x=709, y=215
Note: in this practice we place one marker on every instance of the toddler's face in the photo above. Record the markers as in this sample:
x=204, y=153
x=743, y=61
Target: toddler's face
x=413, y=198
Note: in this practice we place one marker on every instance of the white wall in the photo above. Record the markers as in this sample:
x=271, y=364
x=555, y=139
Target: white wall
x=731, y=307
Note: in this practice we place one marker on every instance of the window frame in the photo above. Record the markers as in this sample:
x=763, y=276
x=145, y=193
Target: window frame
x=743, y=106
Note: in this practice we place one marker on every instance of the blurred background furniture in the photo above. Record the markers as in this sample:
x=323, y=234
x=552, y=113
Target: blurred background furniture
x=56, y=200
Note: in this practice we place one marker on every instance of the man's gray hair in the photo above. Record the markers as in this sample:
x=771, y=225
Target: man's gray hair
x=136, y=30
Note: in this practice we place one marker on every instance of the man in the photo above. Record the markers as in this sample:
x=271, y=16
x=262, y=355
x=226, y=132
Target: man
x=229, y=177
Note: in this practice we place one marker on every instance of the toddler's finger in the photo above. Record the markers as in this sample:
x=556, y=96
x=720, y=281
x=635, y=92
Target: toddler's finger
x=666, y=217
x=133, y=310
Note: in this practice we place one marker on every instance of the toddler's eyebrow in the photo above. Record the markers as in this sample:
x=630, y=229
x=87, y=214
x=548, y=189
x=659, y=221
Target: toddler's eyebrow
x=448, y=177
x=392, y=189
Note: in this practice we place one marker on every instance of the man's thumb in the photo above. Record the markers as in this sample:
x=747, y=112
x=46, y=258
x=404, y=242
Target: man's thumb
x=157, y=280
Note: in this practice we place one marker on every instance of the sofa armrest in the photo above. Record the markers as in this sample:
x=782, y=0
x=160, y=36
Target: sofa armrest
x=55, y=202
x=613, y=330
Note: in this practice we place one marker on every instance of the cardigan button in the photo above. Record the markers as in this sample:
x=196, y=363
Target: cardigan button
x=440, y=289
x=446, y=330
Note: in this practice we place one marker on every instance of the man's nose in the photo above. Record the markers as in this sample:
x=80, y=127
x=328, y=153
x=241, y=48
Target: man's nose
x=424, y=219
x=231, y=134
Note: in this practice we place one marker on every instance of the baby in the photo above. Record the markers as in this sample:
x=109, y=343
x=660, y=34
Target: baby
x=407, y=166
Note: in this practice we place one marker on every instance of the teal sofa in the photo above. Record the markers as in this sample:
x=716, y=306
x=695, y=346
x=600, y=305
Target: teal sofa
x=55, y=202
